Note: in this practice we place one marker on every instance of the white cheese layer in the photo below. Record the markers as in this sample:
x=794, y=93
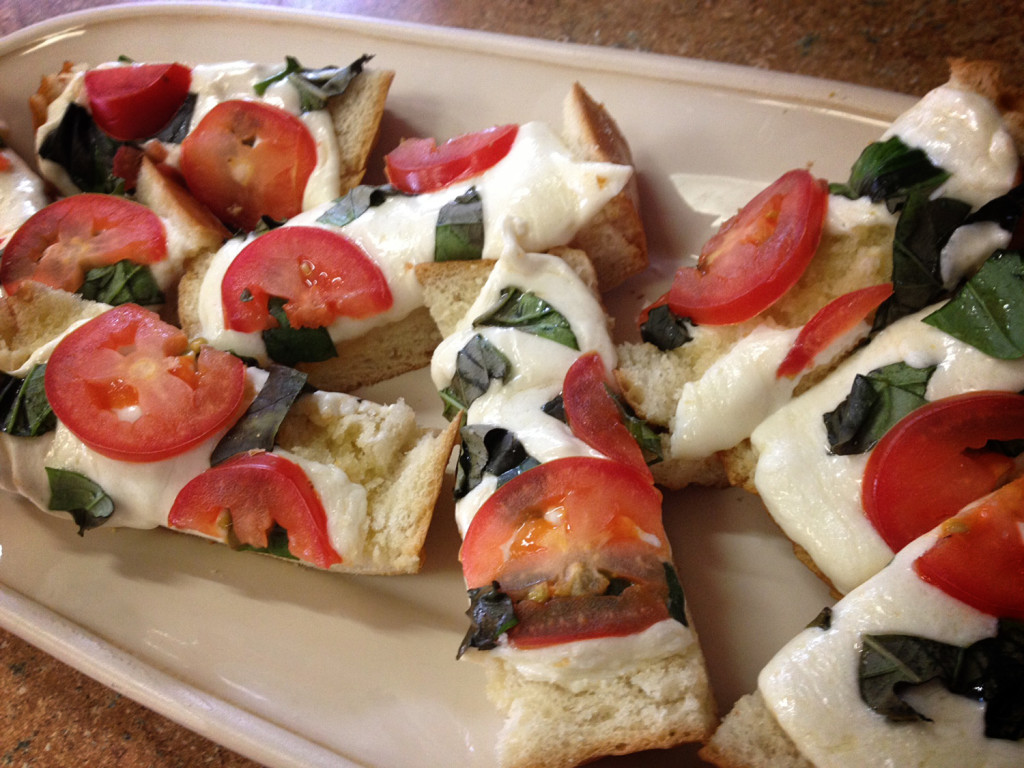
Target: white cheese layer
x=21, y=195
x=537, y=189
x=813, y=494
x=812, y=689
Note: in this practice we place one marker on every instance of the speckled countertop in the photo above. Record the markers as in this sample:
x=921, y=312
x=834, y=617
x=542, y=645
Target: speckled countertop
x=52, y=715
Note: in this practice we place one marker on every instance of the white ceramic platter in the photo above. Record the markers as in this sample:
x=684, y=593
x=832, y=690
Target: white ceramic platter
x=299, y=668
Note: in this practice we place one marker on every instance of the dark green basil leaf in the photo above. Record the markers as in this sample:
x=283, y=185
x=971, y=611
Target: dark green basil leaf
x=476, y=366
x=890, y=171
x=87, y=154
x=988, y=310
x=1005, y=211
x=122, y=283
x=491, y=614
x=875, y=403
x=665, y=329
x=358, y=201
x=676, y=599
x=529, y=313
x=555, y=408
x=459, y=234
x=486, y=450
x=177, y=128
x=24, y=409
x=992, y=670
x=889, y=663
x=315, y=86
x=257, y=429
x=277, y=544
x=513, y=472
x=646, y=436
x=290, y=346
x=823, y=620
x=73, y=492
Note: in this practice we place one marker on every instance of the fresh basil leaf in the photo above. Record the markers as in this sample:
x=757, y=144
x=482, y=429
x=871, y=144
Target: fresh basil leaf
x=823, y=620
x=676, y=599
x=555, y=408
x=889, y=663
x=646, y=436
x=890, y=171
x=24, y=409
x=257, y=429
x=277, y=544
x=529, y=313
x=87, y=154
x=491, y=614
x=486, y=450
x=513, y=472
x=665, y=329
x=1005, y=211
x=922, y=231
x=290, y=346
x=358, y=201
x=992, y=670
x=122, y=283
x=178, y=126
x=988, y=310
x=459, y=234
x=476, y=365
x=315, y=86
x=73, y=492
x=875, y=403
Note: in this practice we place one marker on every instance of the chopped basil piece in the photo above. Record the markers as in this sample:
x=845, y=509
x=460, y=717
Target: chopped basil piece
x=555, y=408
x=676, y=600
x=890, y=171
x=665, y=329
x=73, y=492
x=646, y=436
x=988, y=310
x=178, y=126
x=257, y=429
x=476, y=365
x=290, y=346
x=122, y=283
x=358, y=201
x=990, y=670
x=277, y=544
x=87, y=154
x=491, y=615
x=875, y=403
x=487, y=450
x=459, y=235
x=529, y=313
x=823, y=620
x=1005, y=211
x=315, y=86
x=23, y=405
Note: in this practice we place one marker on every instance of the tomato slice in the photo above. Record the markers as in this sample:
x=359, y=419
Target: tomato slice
x=756, y=256
x=595, y=417
x=931, y=464
x=979, y=557
x=249, y=494
x=136, y=100
x=128, y=385
x=58, y=244
x=829, y=323
x=246, y=160
x=322, y=274
x=419, y=165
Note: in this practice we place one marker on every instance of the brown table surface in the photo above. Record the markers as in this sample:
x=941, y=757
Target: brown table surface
x=50, y=714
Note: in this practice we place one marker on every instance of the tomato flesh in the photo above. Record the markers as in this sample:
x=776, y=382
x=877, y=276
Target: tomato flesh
x=249, y=494
x=137, y=100
x=419, y=165
x=931, y=463
x=979, y=557
x=757, y=256
x=246, y=160
x=830, y=322
x=322, y=274
x=58, y=244
x=127, y=384
x=594, y=416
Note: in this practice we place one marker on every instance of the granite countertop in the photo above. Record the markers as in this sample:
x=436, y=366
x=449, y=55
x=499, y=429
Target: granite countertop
x=52, y=715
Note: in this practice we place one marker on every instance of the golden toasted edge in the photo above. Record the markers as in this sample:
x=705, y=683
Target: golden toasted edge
x=357, y=115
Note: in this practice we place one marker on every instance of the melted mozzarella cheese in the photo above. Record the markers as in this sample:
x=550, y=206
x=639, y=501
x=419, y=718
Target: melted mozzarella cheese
x=812, y=689
x=813, y=494
x=21, y=195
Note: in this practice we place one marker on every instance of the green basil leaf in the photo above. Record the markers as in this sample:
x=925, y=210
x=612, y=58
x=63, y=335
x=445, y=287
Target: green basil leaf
x=875, y=403
x=257, y=429
x=87, y=154
x=665, y=329
x=555, y=408
x=178, y=126
x=992, y=670
x=1005, y=211
x=476, y=366
x=486, y=450
x=459, y=234
x=290, y=346
x=291, y=65
x=988, y=310
x=358, y=201
x=646, y=436
x=823, y=620
x=122, y=283
x=491, y=614
x=73, y=492
x=890, y=171
x=676, y=599
x=277, y=544
x=24, y=408
x=529, y=313
x=889, y=663
x=315, y=86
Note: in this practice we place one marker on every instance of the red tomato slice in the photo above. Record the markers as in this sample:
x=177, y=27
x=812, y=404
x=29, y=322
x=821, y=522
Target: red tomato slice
x=930, y=465
x=756, y=256
x=979, y=557
x=829, y=323
x=127, y=384
x=594, y=416
x=136, y=100
x=321, y=273
x=246, y=160
x=419, y=165
x=250, y=493
x=59, y=243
